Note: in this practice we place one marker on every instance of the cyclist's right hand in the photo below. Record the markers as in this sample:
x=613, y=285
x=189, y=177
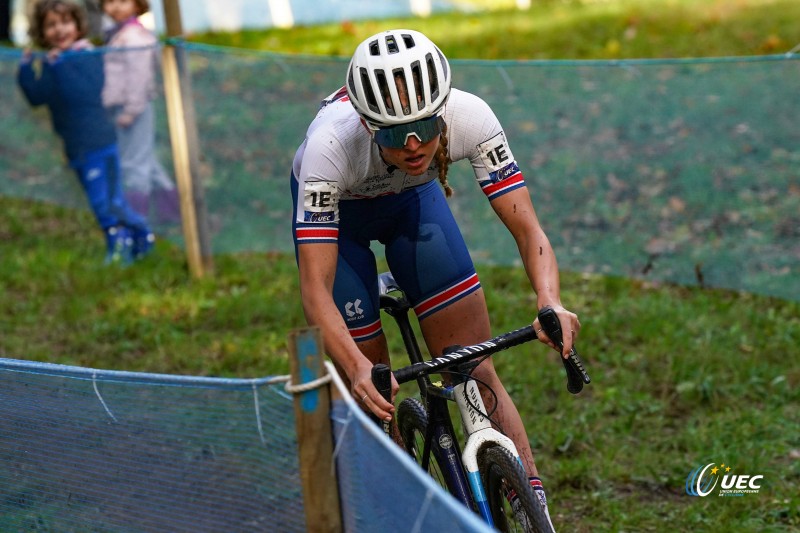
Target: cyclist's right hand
x=568, y=325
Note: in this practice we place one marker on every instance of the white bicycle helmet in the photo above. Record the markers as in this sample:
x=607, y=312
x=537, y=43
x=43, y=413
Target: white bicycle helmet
x=398, y=63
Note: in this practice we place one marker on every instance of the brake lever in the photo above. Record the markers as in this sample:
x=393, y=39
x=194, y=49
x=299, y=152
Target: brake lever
x=576, y=373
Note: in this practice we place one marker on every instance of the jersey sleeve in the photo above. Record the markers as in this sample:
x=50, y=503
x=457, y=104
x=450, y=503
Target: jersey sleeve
x=499, y=172
x=476, y=134
x=319, y=193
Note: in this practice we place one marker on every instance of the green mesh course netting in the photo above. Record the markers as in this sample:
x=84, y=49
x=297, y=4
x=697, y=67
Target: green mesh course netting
x=683, y=171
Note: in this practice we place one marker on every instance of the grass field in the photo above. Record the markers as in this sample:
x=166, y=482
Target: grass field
x=551, y=29
x=681, y=377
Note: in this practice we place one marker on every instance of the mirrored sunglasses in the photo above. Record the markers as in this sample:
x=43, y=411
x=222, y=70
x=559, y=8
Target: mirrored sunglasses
x=396, y=136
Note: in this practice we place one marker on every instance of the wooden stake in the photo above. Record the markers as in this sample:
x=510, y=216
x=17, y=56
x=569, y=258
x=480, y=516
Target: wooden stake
x=180, y=155
x=185, y=142
x=314, y=435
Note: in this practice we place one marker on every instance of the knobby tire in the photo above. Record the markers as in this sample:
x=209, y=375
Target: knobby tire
x=412, y=420
x=501, y=472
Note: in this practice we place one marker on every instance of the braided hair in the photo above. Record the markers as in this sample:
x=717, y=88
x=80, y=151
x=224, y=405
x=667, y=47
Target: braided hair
x=443, y=162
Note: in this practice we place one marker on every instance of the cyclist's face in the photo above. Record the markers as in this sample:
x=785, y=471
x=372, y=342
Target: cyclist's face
x=414, y=158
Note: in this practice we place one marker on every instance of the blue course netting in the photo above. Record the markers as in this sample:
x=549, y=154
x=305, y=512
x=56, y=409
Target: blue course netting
x=683, y=171
x=92, y=450
x=88, y=450
x=381, y=488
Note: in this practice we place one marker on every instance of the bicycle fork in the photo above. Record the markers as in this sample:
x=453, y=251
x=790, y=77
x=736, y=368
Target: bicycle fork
x=479, y=432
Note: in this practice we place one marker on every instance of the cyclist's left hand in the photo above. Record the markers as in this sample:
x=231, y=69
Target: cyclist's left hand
x=570, y=327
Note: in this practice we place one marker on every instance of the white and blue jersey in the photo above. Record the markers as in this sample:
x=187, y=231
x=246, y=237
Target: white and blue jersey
x=345, y=193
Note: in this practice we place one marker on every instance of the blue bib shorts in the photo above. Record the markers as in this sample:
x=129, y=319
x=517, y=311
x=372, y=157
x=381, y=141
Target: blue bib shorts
x=424, y=248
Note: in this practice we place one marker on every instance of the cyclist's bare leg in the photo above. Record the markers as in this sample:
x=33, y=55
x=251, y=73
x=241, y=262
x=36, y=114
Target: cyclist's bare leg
x=466, y=322
x=376, y=350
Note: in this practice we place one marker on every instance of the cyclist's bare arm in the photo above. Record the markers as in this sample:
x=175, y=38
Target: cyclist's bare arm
x=516, y=211
x=317, y=264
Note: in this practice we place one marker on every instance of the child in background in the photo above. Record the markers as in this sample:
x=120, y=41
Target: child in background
x=69, y=82
x=129, y=92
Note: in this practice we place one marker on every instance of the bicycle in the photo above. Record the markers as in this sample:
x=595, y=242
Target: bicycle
x=489, y=469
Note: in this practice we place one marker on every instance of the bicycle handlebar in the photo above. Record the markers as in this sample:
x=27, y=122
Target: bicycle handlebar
x=576, y=373
x=492, y=346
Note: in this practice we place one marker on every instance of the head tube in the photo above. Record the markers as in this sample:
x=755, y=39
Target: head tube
x=396, y=136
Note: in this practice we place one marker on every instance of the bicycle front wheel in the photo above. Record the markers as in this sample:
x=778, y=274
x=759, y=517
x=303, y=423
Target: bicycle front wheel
x=412, y=420
x=501, y=474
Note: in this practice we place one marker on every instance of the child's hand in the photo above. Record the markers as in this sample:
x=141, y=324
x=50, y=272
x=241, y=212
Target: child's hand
x=27, y=56
x=124, y=120
x=52, y=55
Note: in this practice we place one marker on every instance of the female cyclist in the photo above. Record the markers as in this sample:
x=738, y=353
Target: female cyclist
x=368, y=171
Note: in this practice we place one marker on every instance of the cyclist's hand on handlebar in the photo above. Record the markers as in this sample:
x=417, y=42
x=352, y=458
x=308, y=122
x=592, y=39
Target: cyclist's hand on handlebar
x=570, y=327
x=365, y=393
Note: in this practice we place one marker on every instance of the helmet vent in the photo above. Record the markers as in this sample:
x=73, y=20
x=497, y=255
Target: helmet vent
x=432, y=77
x=351, y=82
x=391, y=45
x=402, y=90
x=408, y=40
x=374, y=49
x=416, y=75
x=443, y=61
x=372, y=102
x=383, y=87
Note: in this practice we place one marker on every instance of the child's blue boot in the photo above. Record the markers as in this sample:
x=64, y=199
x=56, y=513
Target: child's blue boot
x=143, y=242
x=118, y=246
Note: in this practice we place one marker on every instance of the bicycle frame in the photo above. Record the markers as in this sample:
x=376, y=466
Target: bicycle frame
x=485, y=448
x=440, y=436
